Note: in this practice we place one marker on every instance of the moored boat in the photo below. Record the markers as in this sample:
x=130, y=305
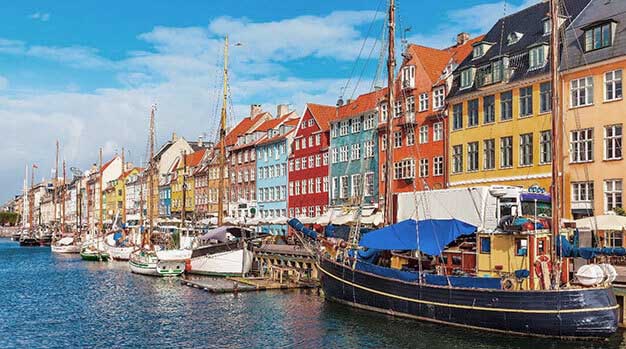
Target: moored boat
x=65, y=245
x=222, y=252
x=119, y=247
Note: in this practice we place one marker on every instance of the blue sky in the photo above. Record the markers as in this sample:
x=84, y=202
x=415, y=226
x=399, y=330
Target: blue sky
x=86, y=72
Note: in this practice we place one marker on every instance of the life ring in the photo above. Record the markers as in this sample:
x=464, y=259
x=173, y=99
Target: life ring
x=508, y=284
x=541, y=259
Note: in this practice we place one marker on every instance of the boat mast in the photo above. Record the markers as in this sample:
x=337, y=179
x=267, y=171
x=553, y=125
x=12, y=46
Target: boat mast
x=63, y=202
x=151, y=169
x=123, y=188
x=391, y=66
x=222, y=141
x=184, y=207
x=100, y=194
x=556, y=133
x=31, y=201
x=25, y=198
x=55, y=184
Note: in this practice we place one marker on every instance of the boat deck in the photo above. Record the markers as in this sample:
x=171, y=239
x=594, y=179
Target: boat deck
x=240, y=284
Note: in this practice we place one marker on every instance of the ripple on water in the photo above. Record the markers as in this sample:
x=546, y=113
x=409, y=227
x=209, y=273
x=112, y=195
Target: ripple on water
x=51, y=301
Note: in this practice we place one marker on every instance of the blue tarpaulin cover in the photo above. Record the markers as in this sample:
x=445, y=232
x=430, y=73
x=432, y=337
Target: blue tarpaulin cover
x=434, y=235
x=463, y=281
x=565, y=249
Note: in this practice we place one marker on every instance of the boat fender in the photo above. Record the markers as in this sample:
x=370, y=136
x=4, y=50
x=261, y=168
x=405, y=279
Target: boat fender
x=508, y=284
x=541, y=259
x=187, y=265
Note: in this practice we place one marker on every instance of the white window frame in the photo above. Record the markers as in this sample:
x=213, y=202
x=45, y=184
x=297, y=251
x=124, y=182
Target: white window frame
x=614, y=141
x=437, y=131
x=423, y=134
x=438, y=97
x=423, y=102
x=579, y=89
x=613, y=83
x=582, y=145
x=423, y=167
x=613, y=194
x=438, y=166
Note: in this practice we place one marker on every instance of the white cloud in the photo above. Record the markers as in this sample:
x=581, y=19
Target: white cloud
x=40, y=16
x=4, y=82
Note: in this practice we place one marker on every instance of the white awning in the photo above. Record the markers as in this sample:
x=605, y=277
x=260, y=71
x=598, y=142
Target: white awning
x=602, y=222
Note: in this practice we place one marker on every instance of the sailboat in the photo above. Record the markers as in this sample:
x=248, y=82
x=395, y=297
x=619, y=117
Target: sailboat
x=146, y=260
x=64, y=244
x=28, y=237
x=572, y=311
x=223, y=251
x=94, y=250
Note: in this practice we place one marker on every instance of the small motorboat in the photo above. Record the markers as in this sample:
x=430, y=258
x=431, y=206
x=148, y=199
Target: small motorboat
x=94, y=253
x=161, y=263
x=65, y=245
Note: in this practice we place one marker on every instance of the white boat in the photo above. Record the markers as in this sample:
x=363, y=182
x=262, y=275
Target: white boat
x=223, y=252
x=65, y=245
x=161, y=263
x=119, y=252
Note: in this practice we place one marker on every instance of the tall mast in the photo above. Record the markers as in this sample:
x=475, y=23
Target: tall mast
x=123, y=188
x=184, y=207
x=151, y=169
x=55, y=183
x=222, y=142
x=63, y=202
x=101, y=208
x=25, y=198
x=31, y=200
x=391, y=66
x=556, y=128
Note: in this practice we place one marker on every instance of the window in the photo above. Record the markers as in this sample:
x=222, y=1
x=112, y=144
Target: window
x=612, y=194
x=383, y=141
x=325, y=184
x=545, y=97
x=318, y=184
x=291, y=188
x=479, y=50
x=615, y=239
x=526, y=149
x=537, y=57
x=545, y=147
x=582, y=192
x=423, y=167
x=423, y=102
x=613, y=142
x=526, y=101
x=437, y=131
x=472, y=156
x=290, y=166
x=343, y=184
x=423, y=134
x=410, y=136
x=547, y=26
x=438, y=166
x=613, y=85
x=303, y=184
x=598, y=37
x=467, y=78
x=325, y=159
x=489, y=154
x=311, y=122
x=343, y=127
x=404, y=169
x=581, y=145
x=343, y=153
x=485, y=245
x=303, y=144
x=368, y=189
x=355, y=151
x=397, y=110
x=370, y=122
x=410, y=104
x=311, y=186
x=397, y=139
x=356, y=125
x=496, y=71
x=506, y=105
x=310, y=144
x=489, y=109
x=368, y=149
x=335, y=157
x=514, y=38
x=335, y=187
x=521, y=247
x=506, y=152
x=438, y=97
x=472, y=113
x=303, y=160
x=457, y=158
x=356, y=185
x=333, y=132
x=457, y=116
x=408, y=76
x=581, y=91
x=383, y=112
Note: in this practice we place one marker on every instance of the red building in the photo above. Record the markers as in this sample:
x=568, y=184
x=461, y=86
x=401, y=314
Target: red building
x=420, y=120
x=309, y=185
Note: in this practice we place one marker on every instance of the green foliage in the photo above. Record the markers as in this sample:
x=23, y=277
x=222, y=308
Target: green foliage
x=619, y=211
x=10, y=218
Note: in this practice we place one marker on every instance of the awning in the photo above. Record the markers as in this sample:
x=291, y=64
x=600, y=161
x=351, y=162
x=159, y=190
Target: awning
x=602, y=222
x=429, y=236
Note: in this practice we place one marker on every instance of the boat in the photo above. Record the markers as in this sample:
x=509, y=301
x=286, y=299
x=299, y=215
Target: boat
x=93, y=250
x=223, y=251
x=65, y=245
x=119, y=246
x=94, y=253
x=16, y=236
x=402, y=269
x=27, y=239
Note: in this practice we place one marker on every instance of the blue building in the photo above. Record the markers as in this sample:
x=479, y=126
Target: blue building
x=271, y=168
x=165, y=197
x=353, y=152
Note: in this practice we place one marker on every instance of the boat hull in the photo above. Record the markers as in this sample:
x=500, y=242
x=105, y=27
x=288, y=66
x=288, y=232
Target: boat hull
x=143, y=268
x=576, y=314
x=65, y=249
x=120, y=253
x=227, y=263
x=29, y=242
x=95, y=257
x=153, y=266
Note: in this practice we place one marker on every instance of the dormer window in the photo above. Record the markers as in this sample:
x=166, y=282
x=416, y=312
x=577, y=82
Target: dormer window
x=513, y=38
x=537, y=57
x=547, y=26
x=496, y=71
x=599, y=36
x=467, y=78
x=408, y=77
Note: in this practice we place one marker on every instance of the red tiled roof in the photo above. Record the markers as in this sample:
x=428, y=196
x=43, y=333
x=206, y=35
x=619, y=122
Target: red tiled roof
x=323, y=114
x=242, y=127
x=270, y=140
x=363, y=103
x=104, y=167
x=194, y=159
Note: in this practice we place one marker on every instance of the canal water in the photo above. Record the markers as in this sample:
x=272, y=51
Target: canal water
x=52, y=301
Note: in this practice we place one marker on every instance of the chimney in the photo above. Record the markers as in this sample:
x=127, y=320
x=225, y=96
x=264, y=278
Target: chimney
x=282, y=109
x=255, y=109
x=200, y=141
x=174, y=137
x=462, y=38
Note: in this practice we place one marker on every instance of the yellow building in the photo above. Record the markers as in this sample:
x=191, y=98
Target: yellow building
x=499, y=109
x=183, y=168
x=594, y=110
x=114, y=196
